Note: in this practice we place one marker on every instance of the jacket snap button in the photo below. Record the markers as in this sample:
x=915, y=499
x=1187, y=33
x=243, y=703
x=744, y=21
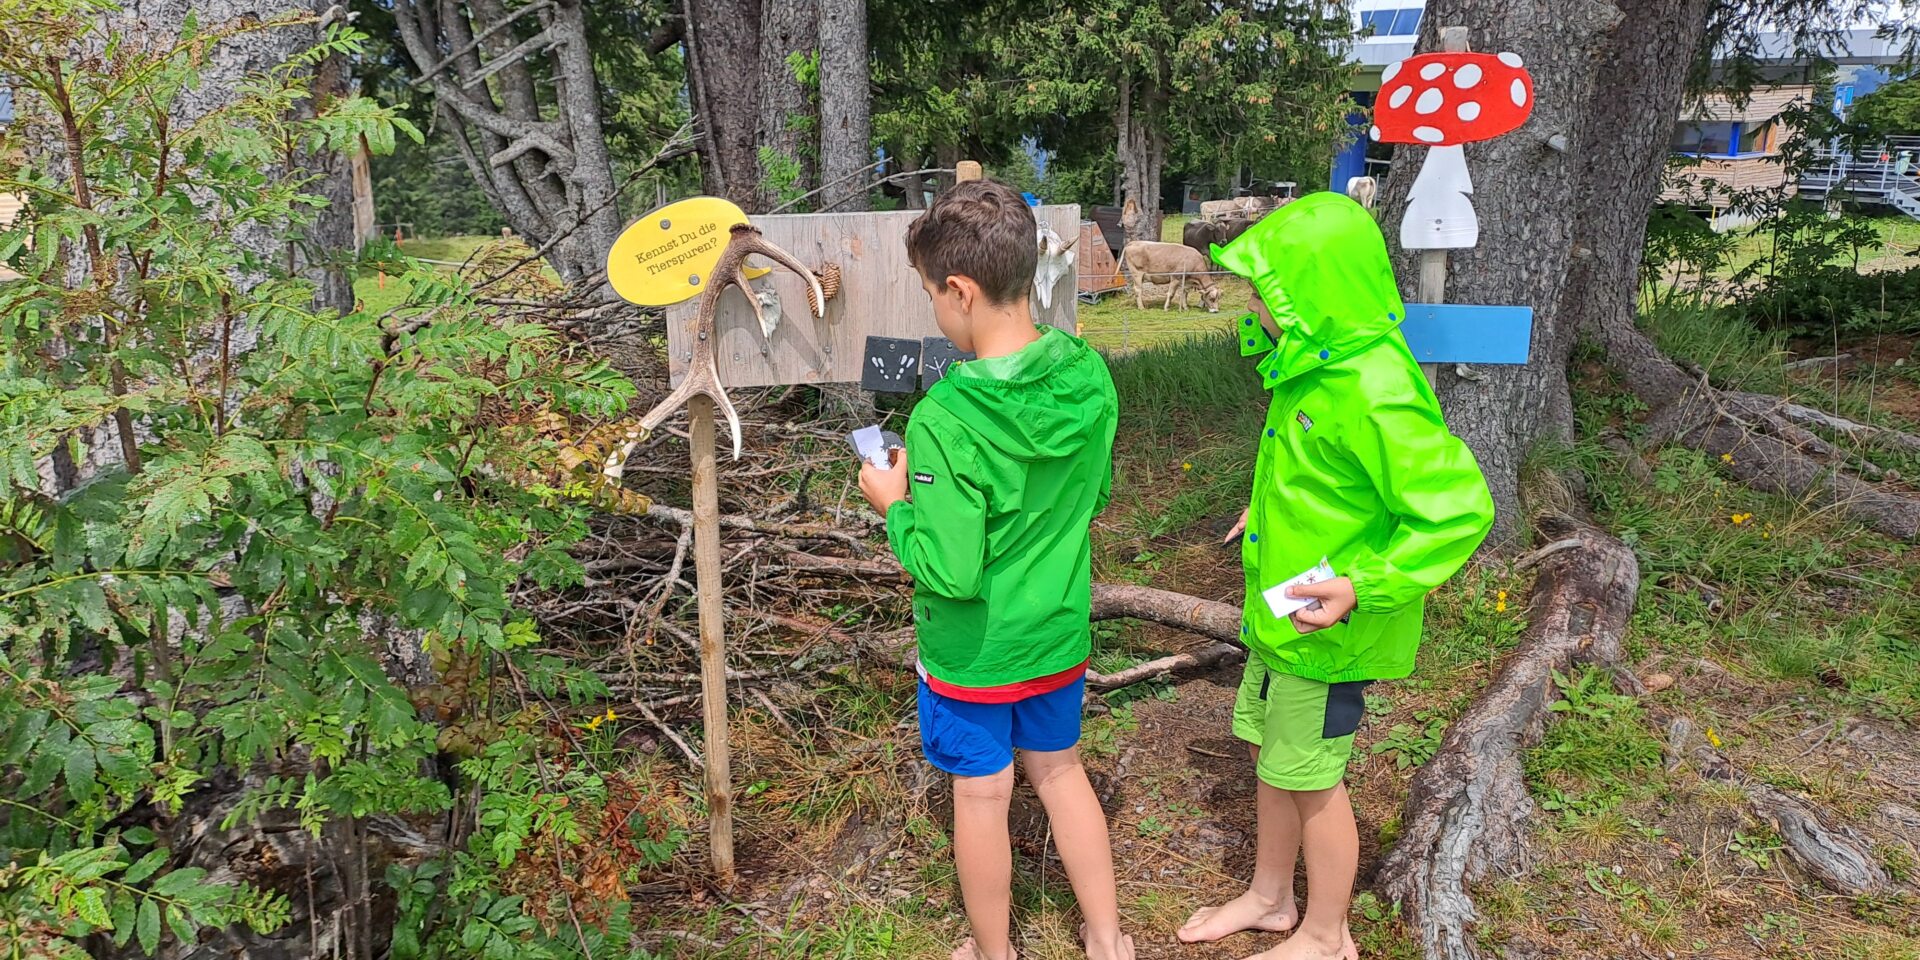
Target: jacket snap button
x=1323, y=354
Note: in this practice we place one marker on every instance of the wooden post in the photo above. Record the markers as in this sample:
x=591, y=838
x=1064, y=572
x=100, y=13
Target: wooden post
x=966, y=170
x=713, y=649
x=1433, y=289
x=1433, y=263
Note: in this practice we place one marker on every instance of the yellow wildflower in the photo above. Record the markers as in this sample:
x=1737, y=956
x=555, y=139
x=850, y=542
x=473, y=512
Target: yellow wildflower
x=595, y=723
x=1500, y=606
x=1740, y=518
x=1713, y=738
x=1726, y=458
x=1186, y=466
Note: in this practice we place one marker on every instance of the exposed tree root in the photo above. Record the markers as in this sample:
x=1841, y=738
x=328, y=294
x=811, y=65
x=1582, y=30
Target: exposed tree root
x=1467, y=808
x=1835, y=855
x=1768, y=439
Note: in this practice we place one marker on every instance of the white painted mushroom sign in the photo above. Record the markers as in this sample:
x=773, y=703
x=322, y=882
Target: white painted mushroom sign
x=1442, y=101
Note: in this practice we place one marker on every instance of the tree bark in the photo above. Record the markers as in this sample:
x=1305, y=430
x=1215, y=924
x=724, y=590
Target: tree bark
x=1525, y=197
x=788, y=114
x=846, y=134
x=1143, y=156
x=1467, y=808
x=330, y=239
x=723, y=60
x=1139, y=122
x=1626, y=146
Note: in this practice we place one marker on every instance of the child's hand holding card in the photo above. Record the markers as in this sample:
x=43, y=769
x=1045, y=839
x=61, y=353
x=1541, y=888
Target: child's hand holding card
x=1283, y=605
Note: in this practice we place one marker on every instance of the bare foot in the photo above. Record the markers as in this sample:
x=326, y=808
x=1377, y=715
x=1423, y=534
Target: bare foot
x=1121, y=949
x=967, y=951
x=1302, y=947
x=1249, y=911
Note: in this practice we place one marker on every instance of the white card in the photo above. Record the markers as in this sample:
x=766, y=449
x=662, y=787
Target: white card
x=1284, y=606
x=872, y=446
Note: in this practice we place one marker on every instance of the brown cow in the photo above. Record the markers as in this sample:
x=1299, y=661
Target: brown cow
x=1199, y=233
x=1149, y=262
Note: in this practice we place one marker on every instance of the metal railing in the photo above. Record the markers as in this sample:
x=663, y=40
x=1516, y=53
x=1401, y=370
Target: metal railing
x=1872, y=175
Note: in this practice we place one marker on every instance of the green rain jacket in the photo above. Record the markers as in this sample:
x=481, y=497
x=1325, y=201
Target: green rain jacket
x=1010, y=459
x=1356, y=464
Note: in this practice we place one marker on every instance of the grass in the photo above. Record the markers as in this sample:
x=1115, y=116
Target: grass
x=379, y=294
x=1899, y=235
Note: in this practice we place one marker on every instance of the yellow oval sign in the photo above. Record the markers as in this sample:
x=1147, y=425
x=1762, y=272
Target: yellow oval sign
x=665, y=256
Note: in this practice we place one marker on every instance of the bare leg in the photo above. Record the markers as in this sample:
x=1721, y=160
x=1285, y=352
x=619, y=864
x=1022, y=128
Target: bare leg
x=1268, y=903
x=1080, y=834
x=983, y=856
x=1332, y=843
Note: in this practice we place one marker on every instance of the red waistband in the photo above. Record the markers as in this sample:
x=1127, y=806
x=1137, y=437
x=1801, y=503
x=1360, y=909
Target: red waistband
x=1006, y=692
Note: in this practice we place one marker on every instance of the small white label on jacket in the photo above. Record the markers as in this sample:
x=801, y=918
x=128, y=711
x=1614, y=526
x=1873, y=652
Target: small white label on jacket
x=923, y=478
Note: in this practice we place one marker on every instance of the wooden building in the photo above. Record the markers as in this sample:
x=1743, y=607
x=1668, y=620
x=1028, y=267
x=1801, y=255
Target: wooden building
x=1735, y=147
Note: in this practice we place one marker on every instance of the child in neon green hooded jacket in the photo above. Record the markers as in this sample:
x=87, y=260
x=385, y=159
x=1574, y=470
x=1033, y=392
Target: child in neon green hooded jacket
x=1355, y=466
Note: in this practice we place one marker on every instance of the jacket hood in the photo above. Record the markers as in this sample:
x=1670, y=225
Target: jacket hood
x=1320, y=265
x=1029, y=405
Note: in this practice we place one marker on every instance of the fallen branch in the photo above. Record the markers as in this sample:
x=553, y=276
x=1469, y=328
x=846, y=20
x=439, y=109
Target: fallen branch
x=1836, y=856
x=1815, y=362
x=1467, y=808
x=1209, y=618
x=1205, y=658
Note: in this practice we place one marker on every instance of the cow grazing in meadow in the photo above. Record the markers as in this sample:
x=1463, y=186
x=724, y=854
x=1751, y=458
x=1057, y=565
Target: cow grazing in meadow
x=1176, y=263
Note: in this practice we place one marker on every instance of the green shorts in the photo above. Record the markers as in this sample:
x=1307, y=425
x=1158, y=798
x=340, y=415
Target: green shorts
x=1304, y=728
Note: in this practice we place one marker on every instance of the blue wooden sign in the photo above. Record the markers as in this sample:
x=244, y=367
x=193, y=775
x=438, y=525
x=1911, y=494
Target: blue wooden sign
x=1466, y=333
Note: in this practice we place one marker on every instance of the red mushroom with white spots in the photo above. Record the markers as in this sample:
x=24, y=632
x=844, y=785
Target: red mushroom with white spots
x=1444, y=100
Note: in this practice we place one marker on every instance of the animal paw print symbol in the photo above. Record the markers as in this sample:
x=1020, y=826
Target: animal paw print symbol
x=937, y=368
x=902, y=367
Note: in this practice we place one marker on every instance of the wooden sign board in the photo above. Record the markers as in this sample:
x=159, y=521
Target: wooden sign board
x=880, y=296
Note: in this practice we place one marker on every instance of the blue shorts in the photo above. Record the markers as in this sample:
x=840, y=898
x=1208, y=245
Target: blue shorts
x=978, y=739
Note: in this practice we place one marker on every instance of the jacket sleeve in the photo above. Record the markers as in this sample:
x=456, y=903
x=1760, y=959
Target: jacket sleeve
x=940, y=535
x=1433, y=487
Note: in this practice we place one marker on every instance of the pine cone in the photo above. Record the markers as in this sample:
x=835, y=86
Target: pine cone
x=829, y=277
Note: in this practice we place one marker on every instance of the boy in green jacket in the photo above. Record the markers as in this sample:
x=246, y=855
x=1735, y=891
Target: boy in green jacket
x=1007, y=460
x=1356, y=466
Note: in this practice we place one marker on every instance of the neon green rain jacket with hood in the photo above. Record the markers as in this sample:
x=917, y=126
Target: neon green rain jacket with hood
x=1356, y=464
x=1009, y=460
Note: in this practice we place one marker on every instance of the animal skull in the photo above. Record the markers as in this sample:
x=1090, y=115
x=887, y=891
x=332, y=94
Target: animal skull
x=1056, y=261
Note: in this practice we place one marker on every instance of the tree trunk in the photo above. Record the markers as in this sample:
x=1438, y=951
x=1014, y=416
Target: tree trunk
x=330, y=239
x=1139, y=123
x=788, y=113
x=1525, y=195
x=1643, y=75
x=723, y=62
x=534, y=144
x=1626, y=146
x=846, y=139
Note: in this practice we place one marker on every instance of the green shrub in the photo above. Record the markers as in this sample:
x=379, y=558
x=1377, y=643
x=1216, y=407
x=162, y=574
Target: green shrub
x=193, y=606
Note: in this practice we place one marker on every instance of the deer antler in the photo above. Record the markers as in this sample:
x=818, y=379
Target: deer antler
x=703, y=377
